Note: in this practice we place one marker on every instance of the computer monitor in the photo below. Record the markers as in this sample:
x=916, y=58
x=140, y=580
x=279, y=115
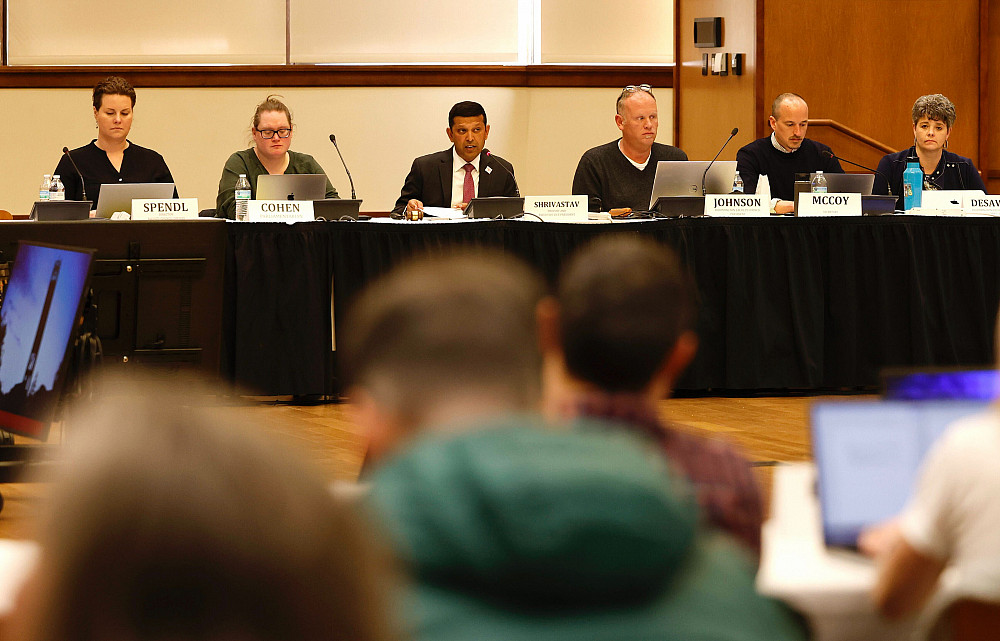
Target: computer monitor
x=38, y=322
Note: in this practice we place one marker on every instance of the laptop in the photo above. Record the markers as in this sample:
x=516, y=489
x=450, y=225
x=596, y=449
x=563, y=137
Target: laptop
x=683, y=178
x=336, y=209
x=868, y=456
x=46, y=210
x=941, y=384
x=495, y=207
x=848, y=183
x=291, y=187
x=118, y=196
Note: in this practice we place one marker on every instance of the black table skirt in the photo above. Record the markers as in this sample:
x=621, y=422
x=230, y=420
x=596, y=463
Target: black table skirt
x=784, y=304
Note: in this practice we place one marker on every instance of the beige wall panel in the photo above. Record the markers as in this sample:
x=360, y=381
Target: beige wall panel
x=542, y=131
x=401, y=30
x=146, y=32
x=623, y=32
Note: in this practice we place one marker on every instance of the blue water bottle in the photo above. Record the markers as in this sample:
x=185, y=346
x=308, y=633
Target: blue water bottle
x=913, y=185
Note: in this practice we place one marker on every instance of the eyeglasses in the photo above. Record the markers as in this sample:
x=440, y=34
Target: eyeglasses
x=635, y=88
x=267, y=134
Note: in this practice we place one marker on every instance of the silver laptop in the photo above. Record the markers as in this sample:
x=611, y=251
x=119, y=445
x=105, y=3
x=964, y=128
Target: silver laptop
x=291, y=187
x=118, y=196
x=848, y=183
x=868, y=456
x=683, y=178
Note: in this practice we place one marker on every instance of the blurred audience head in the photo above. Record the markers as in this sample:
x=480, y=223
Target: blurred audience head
x=622, y=317
x=167, y=524
x=442, y=340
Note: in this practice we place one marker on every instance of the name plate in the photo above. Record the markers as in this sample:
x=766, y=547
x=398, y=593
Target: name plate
x=558, y=209
x=164, y=208
x=811, y=204
x=737, y=205
x=979, y=204
x=280, y=211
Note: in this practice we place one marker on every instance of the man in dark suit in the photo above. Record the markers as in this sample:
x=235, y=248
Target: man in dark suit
x=451, y=178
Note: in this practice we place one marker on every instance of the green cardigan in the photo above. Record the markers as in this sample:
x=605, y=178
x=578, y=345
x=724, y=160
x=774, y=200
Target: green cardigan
x=246, y=162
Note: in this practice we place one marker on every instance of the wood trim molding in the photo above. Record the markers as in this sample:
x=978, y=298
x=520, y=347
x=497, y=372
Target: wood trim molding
x=677, y=78
x=762, y=104
x=660, y=76
x=985, y=125
x=853, y=133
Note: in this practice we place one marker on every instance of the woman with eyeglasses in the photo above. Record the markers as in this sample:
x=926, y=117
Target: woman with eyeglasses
x=111, y=157
x=933, y=117
x=272, y=137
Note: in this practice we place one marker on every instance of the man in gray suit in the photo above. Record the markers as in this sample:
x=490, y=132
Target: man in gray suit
x=451, y=178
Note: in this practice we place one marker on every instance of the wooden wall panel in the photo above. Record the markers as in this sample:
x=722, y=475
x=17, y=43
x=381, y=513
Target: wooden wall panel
x=993, y=147
x=708, y=107
x=864, y=62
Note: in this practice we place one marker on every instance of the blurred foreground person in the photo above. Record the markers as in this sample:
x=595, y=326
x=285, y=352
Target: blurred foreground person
x=944, y=547
x=514, y=530
x=165, y=525
x=617, y=337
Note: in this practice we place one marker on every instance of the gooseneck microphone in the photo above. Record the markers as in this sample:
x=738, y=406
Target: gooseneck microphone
x=83, y=185
x=333, y=139
x=829, y=154
x=735, y=131
x=517, y=190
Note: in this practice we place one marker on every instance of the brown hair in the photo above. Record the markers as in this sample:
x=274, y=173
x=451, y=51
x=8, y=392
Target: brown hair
x=934, y=107
x=113, y=86
x=624, y=302
x=440, y=327
x=170, y=525
x=271, y=103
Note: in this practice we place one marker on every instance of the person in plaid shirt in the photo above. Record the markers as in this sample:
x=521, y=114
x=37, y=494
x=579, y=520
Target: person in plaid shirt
x=616, y=337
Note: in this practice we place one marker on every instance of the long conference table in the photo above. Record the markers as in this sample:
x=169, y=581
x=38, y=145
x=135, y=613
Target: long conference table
x=784, y=304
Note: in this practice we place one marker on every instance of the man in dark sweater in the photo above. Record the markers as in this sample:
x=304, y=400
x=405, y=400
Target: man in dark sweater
x=784, y=153
x=619, y=175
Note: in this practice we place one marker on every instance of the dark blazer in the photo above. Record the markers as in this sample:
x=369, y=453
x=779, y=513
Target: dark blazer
x=953, y=172
x=430, y=178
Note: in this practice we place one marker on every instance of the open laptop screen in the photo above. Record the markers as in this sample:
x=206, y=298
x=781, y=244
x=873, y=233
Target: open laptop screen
x=38, y=320
x=683, y=178
x=868, y=456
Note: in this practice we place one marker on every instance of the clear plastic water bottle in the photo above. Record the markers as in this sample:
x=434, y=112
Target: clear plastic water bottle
x=913, y=185
x=43, y=190
x=737, y=184
x=242, y=197
x=818, y=184
x=57, y=191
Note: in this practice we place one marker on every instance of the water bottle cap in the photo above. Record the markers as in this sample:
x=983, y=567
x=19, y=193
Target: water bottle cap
x=54, y=176
x=243, y=175
x=819, y=172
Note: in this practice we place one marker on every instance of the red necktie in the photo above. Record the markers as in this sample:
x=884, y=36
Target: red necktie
x=469, y=188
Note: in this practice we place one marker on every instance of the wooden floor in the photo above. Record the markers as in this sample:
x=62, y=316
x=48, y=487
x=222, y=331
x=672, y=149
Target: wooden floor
x=768, y=430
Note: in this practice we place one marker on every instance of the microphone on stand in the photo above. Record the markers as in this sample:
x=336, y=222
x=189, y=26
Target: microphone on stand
x=333, y=139
x=517, y=190
x=735, y=131
x=829, y=154
x=83, y=185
